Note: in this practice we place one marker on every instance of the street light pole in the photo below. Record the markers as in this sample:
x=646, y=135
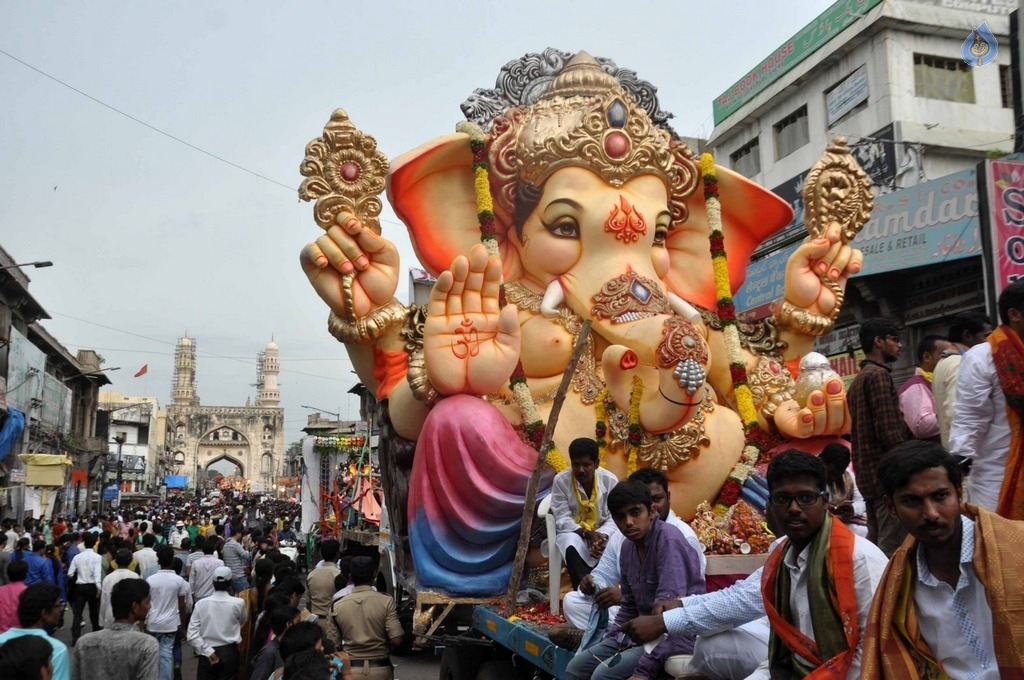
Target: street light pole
x=120, y=438
x=37, y=265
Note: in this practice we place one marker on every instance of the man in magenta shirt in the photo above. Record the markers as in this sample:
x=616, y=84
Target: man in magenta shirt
x=10, y=593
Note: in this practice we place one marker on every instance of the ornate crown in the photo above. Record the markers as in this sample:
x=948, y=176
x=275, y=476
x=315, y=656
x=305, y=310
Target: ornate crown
x=586, y=119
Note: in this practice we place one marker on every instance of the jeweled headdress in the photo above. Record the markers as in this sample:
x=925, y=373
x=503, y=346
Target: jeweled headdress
x=584, y=117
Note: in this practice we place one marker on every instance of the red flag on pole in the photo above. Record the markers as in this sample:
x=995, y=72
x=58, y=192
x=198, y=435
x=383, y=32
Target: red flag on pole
x=142, y=371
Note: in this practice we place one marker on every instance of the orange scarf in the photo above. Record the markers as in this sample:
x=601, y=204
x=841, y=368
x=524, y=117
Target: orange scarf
x=893, y=646
x=1008, y=357
x=833, y=600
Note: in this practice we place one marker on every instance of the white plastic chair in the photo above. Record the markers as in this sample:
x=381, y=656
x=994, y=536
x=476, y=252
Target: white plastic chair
x=554, y=557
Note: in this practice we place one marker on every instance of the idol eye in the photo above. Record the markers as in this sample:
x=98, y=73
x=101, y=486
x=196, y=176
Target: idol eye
x=660, y=235
x=563, y=227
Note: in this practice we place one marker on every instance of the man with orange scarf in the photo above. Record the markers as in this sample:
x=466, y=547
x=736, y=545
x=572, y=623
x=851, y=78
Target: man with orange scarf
x=816, y=587
x=951, y=603
x=986, y=427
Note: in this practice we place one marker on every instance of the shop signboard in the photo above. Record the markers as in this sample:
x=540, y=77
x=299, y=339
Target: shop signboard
x=935, y=221
x=844, y=97
x=763, y=285
x=810, y=39
x=1004, y=180
x=26, y=366
x=932, y=222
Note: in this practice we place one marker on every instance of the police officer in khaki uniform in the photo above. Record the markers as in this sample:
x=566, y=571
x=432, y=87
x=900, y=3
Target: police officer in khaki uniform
x=365, y=624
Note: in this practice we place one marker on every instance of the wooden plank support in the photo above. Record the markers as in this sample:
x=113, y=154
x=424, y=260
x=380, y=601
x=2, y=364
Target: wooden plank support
x=531, y=487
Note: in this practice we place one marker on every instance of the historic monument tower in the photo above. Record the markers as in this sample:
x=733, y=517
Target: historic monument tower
x=251, y=437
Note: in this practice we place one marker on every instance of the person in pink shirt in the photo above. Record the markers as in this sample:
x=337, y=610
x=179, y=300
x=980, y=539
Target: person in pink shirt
x=9, y=594
x=917, y=402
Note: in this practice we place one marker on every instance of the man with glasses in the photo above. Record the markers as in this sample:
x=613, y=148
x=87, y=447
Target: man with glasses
x=655, y=564
x=817, y=581
x=986, y=429
x=878, y=425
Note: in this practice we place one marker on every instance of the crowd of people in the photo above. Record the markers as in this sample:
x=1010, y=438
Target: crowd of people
x=212, y=576
x=897, y=549
x=897, y=556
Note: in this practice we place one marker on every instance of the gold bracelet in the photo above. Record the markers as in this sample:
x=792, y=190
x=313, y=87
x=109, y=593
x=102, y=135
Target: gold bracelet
x=368, y=328
x=416, y=376
x=346, y=293
x=793, y=318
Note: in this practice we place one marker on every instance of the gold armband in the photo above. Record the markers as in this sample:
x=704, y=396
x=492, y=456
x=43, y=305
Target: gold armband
x=370, y=327
x=770, y=385
x=790, y=317
x=416, y=375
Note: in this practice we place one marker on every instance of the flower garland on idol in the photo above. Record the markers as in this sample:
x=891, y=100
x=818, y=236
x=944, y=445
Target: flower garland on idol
x=741, y=480
x=532, y=423
x=533, y=426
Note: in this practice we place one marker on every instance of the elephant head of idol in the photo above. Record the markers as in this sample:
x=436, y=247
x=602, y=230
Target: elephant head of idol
x=594, y=205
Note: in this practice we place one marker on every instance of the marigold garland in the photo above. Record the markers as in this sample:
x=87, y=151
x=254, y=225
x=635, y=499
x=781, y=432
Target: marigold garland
x=635, y=436
x=533, y=426
x=756, y=438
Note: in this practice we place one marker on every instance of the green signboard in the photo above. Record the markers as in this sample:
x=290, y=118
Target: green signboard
x=814, y=35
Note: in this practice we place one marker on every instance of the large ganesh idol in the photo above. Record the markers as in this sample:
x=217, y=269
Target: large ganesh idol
x=569, y=200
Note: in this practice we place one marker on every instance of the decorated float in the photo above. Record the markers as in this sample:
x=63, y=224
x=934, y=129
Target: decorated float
x=566, y=213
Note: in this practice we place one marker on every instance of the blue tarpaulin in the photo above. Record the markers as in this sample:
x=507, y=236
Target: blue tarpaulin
x=11, y=431
x=175, y=481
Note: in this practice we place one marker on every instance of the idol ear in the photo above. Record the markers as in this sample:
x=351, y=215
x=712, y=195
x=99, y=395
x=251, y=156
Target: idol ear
x=432, y=191
x=750, y=214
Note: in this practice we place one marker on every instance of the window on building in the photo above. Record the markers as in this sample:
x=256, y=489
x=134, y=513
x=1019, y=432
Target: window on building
x=746, y=160
x=950, y=80
x=1006, y=86
x=791, y=133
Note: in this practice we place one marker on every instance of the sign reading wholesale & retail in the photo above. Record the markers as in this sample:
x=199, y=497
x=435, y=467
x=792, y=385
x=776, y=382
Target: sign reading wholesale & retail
x=932, y=222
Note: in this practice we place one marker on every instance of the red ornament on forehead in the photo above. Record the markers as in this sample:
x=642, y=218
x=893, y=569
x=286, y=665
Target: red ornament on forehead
x=616, y=144
x=625, y=222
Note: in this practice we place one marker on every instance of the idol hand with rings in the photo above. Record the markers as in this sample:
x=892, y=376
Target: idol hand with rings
x=349, y=249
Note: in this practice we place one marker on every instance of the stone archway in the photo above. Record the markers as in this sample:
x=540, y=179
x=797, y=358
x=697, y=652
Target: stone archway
x=230, y=460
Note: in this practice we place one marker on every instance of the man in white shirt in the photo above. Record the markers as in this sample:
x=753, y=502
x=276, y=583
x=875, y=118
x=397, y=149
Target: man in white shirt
x=177, y=534
x=817, y=569
x=579, y=504
x=87, y=568
x=168, y=616
x=216, y=629
x=10, y=528
x=122, y=559
x=200, y=575
x=967, y=330
x=146, y=556
x=981, y=430
x=950, y=603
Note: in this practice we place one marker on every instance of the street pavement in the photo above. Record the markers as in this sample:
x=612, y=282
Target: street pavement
x=423, y=665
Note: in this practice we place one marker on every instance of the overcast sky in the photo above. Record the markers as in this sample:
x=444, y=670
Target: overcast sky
x=150, y=238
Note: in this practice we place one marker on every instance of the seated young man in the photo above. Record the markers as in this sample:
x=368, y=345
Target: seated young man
x=579, y=504
x=951, y=603
x=655, y=564
x=601, y=586
x=816, y=583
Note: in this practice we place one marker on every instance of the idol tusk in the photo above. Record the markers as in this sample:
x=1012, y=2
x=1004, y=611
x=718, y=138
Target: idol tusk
x=554, y=297
x=683, y=308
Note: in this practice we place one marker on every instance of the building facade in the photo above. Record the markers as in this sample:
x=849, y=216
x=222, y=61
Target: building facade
x=52, y=392
x=251, y=436
x=890, y=77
